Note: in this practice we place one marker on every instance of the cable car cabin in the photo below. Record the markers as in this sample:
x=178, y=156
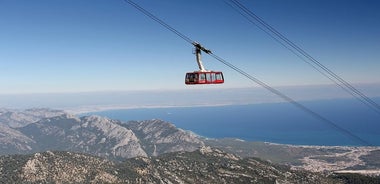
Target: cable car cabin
x=206, y=77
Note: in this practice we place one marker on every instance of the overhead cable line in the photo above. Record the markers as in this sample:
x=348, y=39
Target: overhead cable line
x=298, y=55
x=281, y=39
x=147, y=13
x=255, y=80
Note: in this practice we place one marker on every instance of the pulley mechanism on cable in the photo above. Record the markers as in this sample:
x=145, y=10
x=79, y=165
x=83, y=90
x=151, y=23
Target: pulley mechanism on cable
x=203, y=76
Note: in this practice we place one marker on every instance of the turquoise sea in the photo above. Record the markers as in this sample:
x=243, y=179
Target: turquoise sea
x=275, y=122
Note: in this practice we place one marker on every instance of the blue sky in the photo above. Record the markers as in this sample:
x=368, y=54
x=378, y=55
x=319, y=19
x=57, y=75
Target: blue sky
x=97, y=45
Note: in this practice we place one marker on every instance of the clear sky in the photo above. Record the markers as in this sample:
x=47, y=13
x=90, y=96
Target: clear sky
x=103, y=45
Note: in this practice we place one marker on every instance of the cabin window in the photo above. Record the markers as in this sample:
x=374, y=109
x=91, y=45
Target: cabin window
x=208, y=77
x=202, y=76
x=213, y=77
x=218, y=76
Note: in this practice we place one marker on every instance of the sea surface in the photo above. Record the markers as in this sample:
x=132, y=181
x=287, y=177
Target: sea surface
x=276, y=122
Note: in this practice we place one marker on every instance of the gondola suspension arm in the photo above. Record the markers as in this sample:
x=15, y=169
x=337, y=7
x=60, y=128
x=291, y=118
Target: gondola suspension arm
x=198, y=50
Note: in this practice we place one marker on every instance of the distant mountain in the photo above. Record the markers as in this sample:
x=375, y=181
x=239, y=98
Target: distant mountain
x=112, y=139
x=11, y=139
x=206, y=165
x=19, y=118
x=93, y=135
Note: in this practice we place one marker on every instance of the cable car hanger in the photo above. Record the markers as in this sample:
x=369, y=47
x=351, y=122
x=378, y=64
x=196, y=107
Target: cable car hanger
x=203, y=76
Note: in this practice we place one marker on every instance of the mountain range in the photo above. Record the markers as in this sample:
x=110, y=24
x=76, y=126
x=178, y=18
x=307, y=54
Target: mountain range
x=155, y=151
x=36, y=130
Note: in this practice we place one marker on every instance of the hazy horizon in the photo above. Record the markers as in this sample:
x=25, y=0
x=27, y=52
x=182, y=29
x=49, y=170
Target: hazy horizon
x=93, y=101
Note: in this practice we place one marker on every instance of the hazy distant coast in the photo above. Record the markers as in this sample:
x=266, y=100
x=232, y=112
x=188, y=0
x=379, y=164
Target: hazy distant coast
x=81, y=110
x=191, y=97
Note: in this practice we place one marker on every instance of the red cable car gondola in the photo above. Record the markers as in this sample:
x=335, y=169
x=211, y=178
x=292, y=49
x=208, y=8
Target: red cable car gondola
x=203, y=76
x=207, y=77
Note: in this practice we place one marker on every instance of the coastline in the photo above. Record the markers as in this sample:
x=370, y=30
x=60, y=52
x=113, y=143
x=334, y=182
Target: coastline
x=92, y=109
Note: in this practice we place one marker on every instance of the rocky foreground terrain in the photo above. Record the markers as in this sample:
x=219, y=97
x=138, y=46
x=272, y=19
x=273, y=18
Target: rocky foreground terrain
x=205, y=165
x=42, y=145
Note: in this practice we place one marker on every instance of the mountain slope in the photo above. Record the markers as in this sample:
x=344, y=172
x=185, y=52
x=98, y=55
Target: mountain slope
x=160, y=137
x=13, y=141
x=93, y=135
x=201, y=166
x=208, y=165
x=35, y=131
x=55, y=167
